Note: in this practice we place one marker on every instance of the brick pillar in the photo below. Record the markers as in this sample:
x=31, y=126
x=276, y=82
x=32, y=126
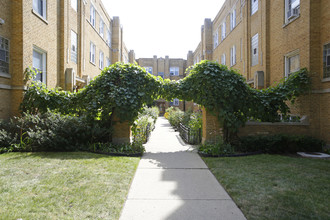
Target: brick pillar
x=121, y=131
x=211, y=127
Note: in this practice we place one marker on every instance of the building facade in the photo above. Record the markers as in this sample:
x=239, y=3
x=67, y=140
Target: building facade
x=68, y=41
x=169, y=68
x=267, y=40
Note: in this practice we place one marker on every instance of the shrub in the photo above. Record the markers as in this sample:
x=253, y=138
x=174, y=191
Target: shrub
x=144, y=124
x=216, y=149
x=50, y=132
x=134, y=148
x=175, y=116
x=280, y=143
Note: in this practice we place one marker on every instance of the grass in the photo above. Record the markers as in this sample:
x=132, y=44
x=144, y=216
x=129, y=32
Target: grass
x=275, y=186
x=75, y=185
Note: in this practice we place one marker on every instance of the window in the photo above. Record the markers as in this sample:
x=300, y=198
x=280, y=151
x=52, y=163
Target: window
x=176, y=102
x=92, y=53
x=40, y=6
x=216, y=39
x=223, y=59
x=292, y=63
x=108, y=37
x=254, y=6
x=92, y=16
x=148, y=69
x=174, y=71
x=233, y=20
x=74, y=46
x=101, y=28
x=108, y=61
x=4, y=55
x=223, y=31
x=101, y=61
x=233, y=56
x=326, y=61
x=39, y=64
x=161, y=74
x=74, y=4
x=292, y=9
x=254, y=50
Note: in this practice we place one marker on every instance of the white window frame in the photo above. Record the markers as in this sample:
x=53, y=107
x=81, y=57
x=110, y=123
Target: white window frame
x=108, y=61
x=108, y=37
x=223, y=59
x=233, y=19
x=101, y=29
x=176, y=102
x=43, y=70
x=255, y=50
x=101, y=60
x=74, y=4
x=5, y=49
x=223, y=31
x=148, y=69
x=92, y=17
x=92, y=53
x=254, y=6
x=291, y=11
x=174, y=71
x=216, y=38
x=287, y=62
x=326, y=57
x=233, y=55
x=40, y=7
x=74, y=46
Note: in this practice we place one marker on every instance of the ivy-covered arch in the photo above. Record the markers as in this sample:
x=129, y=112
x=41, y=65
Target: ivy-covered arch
x=126, y=88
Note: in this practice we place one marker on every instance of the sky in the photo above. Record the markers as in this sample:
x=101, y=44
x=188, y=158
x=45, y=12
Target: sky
x=162, y=27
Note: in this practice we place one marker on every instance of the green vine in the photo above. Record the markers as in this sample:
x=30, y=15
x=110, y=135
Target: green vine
x=125, y=88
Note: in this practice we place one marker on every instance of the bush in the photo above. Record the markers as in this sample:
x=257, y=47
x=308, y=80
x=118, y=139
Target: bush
x=175, y=116
x=50, y=132
x=134, y=148
x=280, y=143
x=152, y=112
x=220, y=148
x=144, y=124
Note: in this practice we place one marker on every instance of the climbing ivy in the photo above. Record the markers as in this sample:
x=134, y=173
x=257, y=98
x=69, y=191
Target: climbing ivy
x=125, y=88
x=223, y=91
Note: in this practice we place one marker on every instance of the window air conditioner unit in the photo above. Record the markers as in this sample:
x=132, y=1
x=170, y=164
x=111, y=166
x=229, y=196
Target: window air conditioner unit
x=294, y=12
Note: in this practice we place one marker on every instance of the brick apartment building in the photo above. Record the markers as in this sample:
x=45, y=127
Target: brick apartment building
x=68, y=41
x=267, y=40
x=169, y=68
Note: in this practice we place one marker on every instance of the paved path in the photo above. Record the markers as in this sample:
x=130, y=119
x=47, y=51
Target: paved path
x=173, y=182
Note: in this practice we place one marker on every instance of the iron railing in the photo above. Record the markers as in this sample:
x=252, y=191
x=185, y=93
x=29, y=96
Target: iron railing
x=190, y=136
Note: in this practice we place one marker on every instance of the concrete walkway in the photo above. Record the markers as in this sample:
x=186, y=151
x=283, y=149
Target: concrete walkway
x=173, y=182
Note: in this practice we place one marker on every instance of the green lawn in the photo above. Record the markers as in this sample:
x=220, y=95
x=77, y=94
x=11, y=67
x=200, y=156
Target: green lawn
x=64, y=185
x=276, y=187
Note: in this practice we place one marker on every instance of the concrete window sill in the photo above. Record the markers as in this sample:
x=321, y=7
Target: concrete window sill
x=39, y=16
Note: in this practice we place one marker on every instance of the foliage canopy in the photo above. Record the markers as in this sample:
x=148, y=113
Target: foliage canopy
x=125, y=88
